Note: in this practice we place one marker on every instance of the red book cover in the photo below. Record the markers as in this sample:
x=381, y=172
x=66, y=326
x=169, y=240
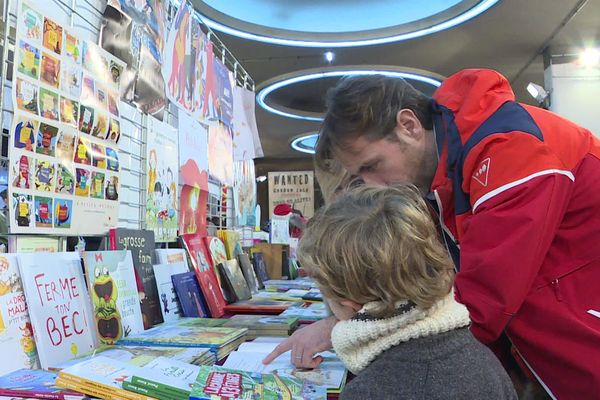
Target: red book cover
x=202, y=262
x=259, y=305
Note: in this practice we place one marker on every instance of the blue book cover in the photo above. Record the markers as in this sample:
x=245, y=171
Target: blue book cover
x=34, y=383
x=190, y=297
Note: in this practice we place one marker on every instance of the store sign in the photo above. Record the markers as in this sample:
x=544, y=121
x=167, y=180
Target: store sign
x=295, y=188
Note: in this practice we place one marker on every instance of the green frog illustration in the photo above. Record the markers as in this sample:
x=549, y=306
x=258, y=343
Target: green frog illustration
x=104, y=297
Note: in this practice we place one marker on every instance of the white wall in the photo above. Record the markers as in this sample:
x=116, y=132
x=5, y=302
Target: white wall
x=575, y=93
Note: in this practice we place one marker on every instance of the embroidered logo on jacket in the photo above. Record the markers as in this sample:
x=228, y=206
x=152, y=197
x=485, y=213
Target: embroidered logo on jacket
x=481, y=175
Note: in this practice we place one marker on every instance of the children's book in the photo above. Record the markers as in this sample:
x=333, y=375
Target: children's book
x=216, y=382
x=111, y=281
x=34, y=383
x=216, y=251
x=141, y=244
x=259, y=305
x=260, y=268
x=185, y=336
x=331, y=373
x=258, y=325
x=249, y=274
x=231, y=240
x=164, y=377
x=17, y=345
x=100, y=376
x=59, y=305
x=170, y=305
x=313, y=294
x=188, y=292
x=140, y=356
x=233, y=279
x=170, y=256
x=201, y=261
x=307, y=312
x=283, y=285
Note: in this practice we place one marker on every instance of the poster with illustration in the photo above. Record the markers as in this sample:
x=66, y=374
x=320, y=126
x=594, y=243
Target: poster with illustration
x=50, y=69
x=44, y=176
x=24, y=132
x=31, y=22
x=82, y=183
x=48, y=104
x=72, y=48
x=97, y=185
x=43, y=212
x=21, y=210
x=246, y=142
x=22, y=171
x=134, y=32
x=244, y=193
x=163, y=177
x=26, y=95
x=211, y=89
x=71, y=79
x=224, y=99
x=69, y=111
x=46, y=139
x=65, y=180
x=111, y=191
x=220, y=153
x=62, y=213
x=185, y=61
x=64, y=116
x=65, y=145
x=29, y=60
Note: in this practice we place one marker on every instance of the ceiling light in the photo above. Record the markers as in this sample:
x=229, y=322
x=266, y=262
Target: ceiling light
x=329, y=56
x=589, y=57
x=261, y=178
x=537, y=92
x=265, y=91
x=479, y=8
x=305, y=143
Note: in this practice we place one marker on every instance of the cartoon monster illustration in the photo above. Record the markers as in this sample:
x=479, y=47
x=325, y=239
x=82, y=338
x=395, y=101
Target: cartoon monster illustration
x=28, y=344
x=104, y=297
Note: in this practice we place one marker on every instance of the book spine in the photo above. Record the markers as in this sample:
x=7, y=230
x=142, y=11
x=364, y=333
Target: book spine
x=35, y=395
x=152, y=393
x=80, y=388
x=158, y=386
x=112, y=239
x=122, y=394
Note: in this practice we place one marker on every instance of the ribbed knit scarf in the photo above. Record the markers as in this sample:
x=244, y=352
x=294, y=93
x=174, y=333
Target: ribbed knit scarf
x=359, y=340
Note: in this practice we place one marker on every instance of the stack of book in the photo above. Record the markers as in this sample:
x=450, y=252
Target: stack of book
x=220, y=341
x=307, y=312
x=283, y=285
x=218, y=382
x=263, y=325
x=331, y=373
x=34, y=383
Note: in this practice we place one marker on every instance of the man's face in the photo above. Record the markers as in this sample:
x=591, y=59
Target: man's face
x=406, y=156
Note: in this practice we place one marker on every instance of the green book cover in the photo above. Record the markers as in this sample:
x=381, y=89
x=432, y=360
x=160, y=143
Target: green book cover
x=216, y=383
x=178, y=336
x=202, y=322
x=151, y=392
x=262, y=322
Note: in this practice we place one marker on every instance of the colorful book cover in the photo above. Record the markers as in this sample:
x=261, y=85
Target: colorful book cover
x=170, y=304
x=169, y=256
x=216, y=383
x=232, y=274
x=34, y=244
x=216, y=249
x=57, y=299
x=111, y=280
x=103, y=374
x=188, y=292
x=214, y=322
x=16, y=333
x=34, y=383
x=248, y=272
x=307, y=312
x=177, y=336
x=140, y=356
x=262, y=322
x=260, y=268
x=260, y=305
x=168, y=375
x=141, y=244
x=198, y=252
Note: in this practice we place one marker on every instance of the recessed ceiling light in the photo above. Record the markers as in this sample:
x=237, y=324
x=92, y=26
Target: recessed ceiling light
x=329, y=56
x=360, y=40
x=305, y=143
x=589, y=57
x=270, y=88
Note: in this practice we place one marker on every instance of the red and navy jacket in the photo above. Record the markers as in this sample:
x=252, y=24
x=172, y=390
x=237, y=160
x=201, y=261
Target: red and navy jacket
x=518, y=190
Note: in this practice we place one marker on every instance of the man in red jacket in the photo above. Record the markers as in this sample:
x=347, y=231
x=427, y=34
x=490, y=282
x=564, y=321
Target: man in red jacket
x=516, y=188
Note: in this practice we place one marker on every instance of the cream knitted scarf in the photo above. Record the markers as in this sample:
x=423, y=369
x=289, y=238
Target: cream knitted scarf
x=359, y=340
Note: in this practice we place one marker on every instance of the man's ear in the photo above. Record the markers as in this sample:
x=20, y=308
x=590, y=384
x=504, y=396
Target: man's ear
x=408, y=125
x=349, y=303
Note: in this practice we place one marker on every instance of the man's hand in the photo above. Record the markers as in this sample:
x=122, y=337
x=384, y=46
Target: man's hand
x=305, y=343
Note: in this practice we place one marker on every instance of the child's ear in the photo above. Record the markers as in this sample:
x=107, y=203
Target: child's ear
x=349, y=303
